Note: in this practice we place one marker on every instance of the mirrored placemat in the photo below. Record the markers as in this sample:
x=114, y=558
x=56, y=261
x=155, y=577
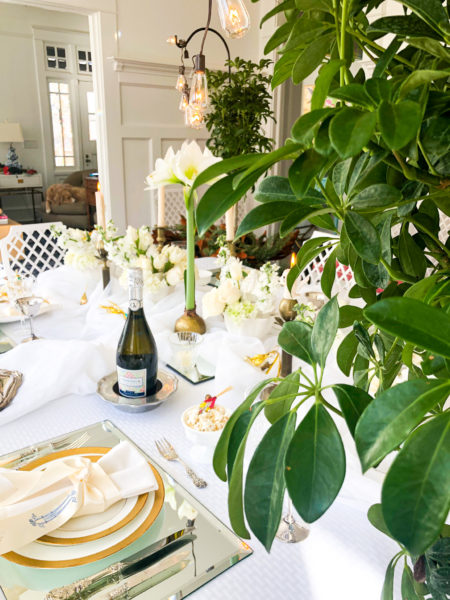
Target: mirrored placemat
x=214, y=549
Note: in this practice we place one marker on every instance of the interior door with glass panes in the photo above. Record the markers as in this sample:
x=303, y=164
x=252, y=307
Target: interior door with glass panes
x=88, y=125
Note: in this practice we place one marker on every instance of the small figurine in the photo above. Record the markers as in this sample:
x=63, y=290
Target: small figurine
x=210, y=401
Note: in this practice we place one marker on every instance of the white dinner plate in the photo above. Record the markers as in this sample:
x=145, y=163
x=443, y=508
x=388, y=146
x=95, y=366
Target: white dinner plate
x=51, y=556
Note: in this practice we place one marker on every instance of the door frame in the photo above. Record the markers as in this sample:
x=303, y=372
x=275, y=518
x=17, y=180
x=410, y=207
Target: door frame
x=103, y=41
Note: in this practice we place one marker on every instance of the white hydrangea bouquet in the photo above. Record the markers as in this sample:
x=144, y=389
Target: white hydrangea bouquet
x=80, y=246
x=244, y=296
x=162, y=268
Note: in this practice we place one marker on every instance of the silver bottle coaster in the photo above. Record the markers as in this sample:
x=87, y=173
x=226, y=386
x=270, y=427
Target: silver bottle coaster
x=105, y=389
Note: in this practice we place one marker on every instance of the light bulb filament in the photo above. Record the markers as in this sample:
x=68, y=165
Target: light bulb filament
x=234, y=17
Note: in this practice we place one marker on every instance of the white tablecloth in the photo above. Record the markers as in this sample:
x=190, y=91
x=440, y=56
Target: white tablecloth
x=344, y=557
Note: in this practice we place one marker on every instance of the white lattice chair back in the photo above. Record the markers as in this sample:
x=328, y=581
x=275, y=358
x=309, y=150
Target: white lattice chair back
x=344, y=275
x=31, y=249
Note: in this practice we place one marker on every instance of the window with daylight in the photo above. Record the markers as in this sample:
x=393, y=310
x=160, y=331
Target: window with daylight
x=84, y=61
x=92, y=116
x=63, y=146
x=56, y=57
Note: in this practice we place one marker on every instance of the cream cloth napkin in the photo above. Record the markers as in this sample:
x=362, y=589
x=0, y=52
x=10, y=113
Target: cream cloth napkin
x=34, y=503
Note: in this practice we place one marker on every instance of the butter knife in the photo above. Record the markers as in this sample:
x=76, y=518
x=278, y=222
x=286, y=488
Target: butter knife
x=117, y=572
x=148, y=578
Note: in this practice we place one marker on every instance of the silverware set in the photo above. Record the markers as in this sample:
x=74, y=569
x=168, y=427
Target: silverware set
x=168, y=452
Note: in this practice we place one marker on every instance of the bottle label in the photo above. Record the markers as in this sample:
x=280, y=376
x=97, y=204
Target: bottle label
x=132, y=384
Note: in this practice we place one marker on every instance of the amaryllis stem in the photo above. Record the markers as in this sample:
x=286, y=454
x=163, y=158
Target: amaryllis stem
x=190, y=248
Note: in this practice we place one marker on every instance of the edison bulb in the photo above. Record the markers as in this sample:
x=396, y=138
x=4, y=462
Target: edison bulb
x=194, y=118
x=184, y=102
x=198, y=98
x=181, y=82
x=234, y=17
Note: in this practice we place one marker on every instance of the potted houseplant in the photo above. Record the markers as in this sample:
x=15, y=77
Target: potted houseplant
x=377, y=164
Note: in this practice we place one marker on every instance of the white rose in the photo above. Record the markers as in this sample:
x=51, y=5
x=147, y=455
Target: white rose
x=131, y=234
x=177, y=255
x=212, y=304
x=145, y=238
x=228, y=292
x=174, y=276
x=153, y=281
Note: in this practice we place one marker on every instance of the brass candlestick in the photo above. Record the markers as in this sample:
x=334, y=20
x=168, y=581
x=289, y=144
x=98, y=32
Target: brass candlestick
x=103, y=255
x=160, y=237
x=287, y=313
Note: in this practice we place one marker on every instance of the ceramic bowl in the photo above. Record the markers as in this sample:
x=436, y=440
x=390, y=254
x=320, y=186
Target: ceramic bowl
x=207, y=439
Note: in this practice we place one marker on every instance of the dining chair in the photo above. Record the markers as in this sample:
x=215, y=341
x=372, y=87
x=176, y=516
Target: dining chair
x=30, y=249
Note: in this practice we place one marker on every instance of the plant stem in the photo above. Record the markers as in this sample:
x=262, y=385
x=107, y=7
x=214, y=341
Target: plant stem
x=336, y=24
x=190, y=249
x=414, y=174
x=328, y=199
x=430, y=234
x=427, y=160
x=344, y=18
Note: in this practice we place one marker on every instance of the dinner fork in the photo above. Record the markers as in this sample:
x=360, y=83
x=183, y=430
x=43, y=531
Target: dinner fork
x=168, y=452
x=43, y=449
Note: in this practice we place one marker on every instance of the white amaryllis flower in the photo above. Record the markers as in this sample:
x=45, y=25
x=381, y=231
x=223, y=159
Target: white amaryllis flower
x=182, y=167
x=163, y=173
x=190, y=161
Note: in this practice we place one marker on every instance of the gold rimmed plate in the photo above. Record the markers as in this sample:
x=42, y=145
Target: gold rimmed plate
x=51, y=555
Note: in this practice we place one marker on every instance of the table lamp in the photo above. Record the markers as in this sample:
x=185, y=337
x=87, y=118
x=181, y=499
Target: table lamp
x=11, y=132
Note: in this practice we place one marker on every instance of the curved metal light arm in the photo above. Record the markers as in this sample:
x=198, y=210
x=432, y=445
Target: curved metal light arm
x=183, y=43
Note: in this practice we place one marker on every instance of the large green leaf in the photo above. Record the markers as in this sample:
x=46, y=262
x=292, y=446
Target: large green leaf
x=278, y=37
x=304, y=127
x=393, y=415
x=415, y=496
x=378, y=89
x=363, y=237
x=431, y=11
x=303, y=170
x=346, y=353
x=375, y=516
x=412, y=258
x=219, y=198
x=374, y=197
x=322, y=85
x=325, y=5
x=295, y=338
x=274, y=188
x=329, y=274
x=265, y=485
x=399, y=123
x=315, y=464
x=299, y=214
x=435, y=137
x=221, y=452
x=262, y=215
x=351, y=130
x=419, y=78
x=286, y=5
x=431, y=46
x=324, y=330
x=235, y=476
x=387, y=593
x=287, y=387
x=283, y=67
x=403, y=25
x=311, y=57
x=225, y=166
x=352, y=401
x=408, y=589
x=340, y=175
x=354, y=93
x=413, y=321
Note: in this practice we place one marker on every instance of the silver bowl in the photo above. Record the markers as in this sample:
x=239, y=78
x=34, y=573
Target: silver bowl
x=106, y=385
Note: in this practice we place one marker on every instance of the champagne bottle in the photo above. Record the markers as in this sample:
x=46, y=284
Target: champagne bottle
x=137, y=356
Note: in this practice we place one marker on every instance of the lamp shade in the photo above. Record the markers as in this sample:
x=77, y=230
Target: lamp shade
x=11, y=132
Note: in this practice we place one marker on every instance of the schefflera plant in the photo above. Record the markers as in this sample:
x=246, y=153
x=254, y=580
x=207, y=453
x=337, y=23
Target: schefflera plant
x=374, y=171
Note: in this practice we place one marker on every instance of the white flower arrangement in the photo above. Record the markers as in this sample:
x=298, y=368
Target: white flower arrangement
x=243, y=293
x=162, y=269
x=81, y=246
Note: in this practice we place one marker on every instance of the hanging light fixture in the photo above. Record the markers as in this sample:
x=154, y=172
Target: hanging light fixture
x=198, y=98
x=184, y=102
x=194, y=100
x=181, y=81
x=234, y=17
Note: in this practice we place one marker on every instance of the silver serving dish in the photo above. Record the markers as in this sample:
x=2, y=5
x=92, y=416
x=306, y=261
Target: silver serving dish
x=107, y=389
x=10, y=382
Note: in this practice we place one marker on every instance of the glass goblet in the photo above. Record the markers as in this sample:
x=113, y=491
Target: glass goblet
x=290, y=531
x=185, y=346
x=29, y=307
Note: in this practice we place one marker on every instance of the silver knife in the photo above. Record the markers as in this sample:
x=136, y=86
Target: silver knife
x=115, y=573
x=148, y=578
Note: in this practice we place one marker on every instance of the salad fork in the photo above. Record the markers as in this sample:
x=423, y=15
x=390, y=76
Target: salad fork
x=168, y=452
